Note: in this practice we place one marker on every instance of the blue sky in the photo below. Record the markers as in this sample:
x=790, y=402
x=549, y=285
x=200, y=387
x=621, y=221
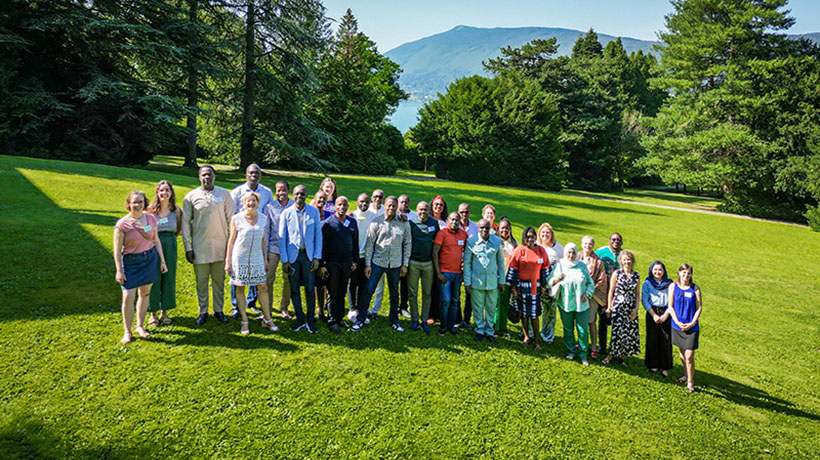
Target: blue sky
x=392, y=22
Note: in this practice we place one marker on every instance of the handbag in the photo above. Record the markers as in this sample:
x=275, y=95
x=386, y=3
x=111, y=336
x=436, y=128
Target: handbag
x=514, y=313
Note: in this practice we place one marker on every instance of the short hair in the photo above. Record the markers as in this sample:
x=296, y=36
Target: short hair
x=465, y=204
x=422, y=203
x=628, y=254
x=213, y=171
x=588, y=237
x=131, y=195
x=403, y=195
x=486, y=207
x=245, y=197
x=253, y=165
x=552, y=232
x=300, y=186
x=363, y=194
x=282, y=182
x=391, y=197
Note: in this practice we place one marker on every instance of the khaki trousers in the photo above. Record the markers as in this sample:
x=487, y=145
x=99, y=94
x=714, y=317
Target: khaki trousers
x=273, y=264
x=215, y=272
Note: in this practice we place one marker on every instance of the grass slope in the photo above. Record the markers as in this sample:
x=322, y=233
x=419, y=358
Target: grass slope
x=69, y=390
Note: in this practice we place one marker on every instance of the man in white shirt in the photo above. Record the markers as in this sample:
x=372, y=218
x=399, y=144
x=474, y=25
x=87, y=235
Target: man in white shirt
x=376, y=203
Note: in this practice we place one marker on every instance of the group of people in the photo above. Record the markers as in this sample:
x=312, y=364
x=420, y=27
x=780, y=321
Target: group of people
x=328, y=254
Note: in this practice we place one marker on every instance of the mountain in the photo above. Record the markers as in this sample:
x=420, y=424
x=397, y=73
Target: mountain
x=431, y=63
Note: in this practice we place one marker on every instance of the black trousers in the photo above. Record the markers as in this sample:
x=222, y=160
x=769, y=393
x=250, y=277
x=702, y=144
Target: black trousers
x=358, y=283
x=603, y=323
x=658, y=342
x=403, y=293
x=435, y=299
x=337, y=280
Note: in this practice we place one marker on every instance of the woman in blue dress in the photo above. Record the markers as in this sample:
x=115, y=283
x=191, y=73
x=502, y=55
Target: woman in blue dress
x=685, y=308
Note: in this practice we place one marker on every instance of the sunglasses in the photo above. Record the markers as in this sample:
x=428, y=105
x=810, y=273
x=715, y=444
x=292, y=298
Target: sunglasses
x=485, y=227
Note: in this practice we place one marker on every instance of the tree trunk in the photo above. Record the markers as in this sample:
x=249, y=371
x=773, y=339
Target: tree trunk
x=249, y=99
x=193, y=102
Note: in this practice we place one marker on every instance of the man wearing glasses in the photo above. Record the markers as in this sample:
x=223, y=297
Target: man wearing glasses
x=609, y=254
x=484, y=276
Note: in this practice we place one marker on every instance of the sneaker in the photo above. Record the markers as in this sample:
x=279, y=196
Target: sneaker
x=415, y=327
x=296, y=326
x=441, y=332
x=479, y=337
x=311, y=328
x=569, y=357
x=397, y=327
x=352, y=314
x=367, y=320
x=425, y=328
x=357, y=326
x=406, y=314
x=585, y=362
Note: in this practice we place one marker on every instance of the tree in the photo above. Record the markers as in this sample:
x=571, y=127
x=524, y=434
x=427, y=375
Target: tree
x=359, y=89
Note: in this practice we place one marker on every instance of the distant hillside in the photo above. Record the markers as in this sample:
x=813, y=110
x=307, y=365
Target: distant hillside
x=433, y=62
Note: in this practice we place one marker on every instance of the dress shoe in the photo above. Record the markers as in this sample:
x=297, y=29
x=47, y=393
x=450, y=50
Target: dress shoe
x=220, y=317
x=335, y=329
x=200, y=320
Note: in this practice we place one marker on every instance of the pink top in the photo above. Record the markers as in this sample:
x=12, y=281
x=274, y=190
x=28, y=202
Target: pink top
x=137, y=238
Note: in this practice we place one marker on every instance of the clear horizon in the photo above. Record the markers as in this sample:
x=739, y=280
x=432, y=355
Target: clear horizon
x=391, y=23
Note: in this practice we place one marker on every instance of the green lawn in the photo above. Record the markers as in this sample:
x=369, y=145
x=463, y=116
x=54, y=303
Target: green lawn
x=70, y=390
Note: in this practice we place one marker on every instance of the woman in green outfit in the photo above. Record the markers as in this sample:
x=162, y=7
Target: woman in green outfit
x=573, y=287
x=169, y=218
x=508, y=245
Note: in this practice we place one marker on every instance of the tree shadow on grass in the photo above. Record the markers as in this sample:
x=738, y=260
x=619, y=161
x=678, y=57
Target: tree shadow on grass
x=27, y=438
x=721, y=387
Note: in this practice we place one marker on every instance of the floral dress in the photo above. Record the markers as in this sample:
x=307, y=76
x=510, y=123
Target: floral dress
x=626, y=339
x=247, y=258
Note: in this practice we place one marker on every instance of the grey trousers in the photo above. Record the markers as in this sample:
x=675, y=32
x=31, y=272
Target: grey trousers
x=214, y=271
x=416, y=271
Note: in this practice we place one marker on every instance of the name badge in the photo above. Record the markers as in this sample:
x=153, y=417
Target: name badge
x=540, y=261
x=688, y=295
x=147, y=229
x=218, y=199
x=431, y=228
x=163, y=220
x=347, y=223
x=461, y=242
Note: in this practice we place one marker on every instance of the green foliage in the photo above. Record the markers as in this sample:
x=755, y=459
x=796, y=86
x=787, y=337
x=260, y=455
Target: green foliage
x=500, y=131
x=359, y=89
x=744, y=114
x=813, y=217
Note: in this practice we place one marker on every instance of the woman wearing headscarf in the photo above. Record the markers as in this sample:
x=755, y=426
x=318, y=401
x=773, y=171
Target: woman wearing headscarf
x=508, y=245
x=527, y=274
x=570, y=278
x=655, y=300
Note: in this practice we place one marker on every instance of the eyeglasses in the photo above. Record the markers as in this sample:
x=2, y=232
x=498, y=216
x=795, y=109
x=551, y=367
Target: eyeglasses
x=484, y=227
x=464, y=212
x=378, y=196
x=615, y=239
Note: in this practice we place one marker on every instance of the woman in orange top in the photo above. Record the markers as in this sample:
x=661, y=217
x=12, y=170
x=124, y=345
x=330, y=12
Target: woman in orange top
x=527, y=274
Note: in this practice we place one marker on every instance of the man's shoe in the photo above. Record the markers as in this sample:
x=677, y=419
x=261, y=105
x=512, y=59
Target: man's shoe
x=335, y=329
x=492, y=340
x=425, y=328
x=397, y=327
x=200, y=320
x=367, y=320
x=441, y=332
x=479, y=337
x=221, y=317
x=357, y=326
x=466, y=326
x=235, y=314
x=414, y=327
x=297, y=325
x=453, y=331
x=311, y=328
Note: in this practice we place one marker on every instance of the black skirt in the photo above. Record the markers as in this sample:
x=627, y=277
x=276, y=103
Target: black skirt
x=687, y=340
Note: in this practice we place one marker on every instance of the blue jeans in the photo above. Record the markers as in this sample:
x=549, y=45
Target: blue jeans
x=302, y=276
x=376, y=273
x=450, y=296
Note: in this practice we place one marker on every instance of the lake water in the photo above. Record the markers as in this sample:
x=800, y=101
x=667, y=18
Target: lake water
x=405, y=116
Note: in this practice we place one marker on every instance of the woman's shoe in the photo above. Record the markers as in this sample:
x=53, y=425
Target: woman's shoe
x=690, y=387
x=286, y=314
x=153, y=321
x=243, y=328
x=607, y=360
x=268, y=324
x=682, y=379
x=165, y=320
x=665, y=373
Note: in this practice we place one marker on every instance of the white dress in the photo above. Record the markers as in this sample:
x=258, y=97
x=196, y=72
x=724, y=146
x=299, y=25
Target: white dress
x=247, y=258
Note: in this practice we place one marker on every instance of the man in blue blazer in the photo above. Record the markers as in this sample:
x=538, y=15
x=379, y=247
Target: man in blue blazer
x=300, y=249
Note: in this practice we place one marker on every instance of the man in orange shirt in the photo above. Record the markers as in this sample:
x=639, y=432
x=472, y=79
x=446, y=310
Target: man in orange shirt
x=448, y=253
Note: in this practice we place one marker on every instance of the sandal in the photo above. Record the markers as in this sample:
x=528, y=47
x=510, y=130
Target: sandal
x=537, y=346
x=126, y=338
x=665, y=373
x=153, y=321
x=142, y=332
x=690, y=387
x=165, y=321
x=286, y=314
x=682, y=379
x=268, y=324
x=243, y=328
x=607, y=360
